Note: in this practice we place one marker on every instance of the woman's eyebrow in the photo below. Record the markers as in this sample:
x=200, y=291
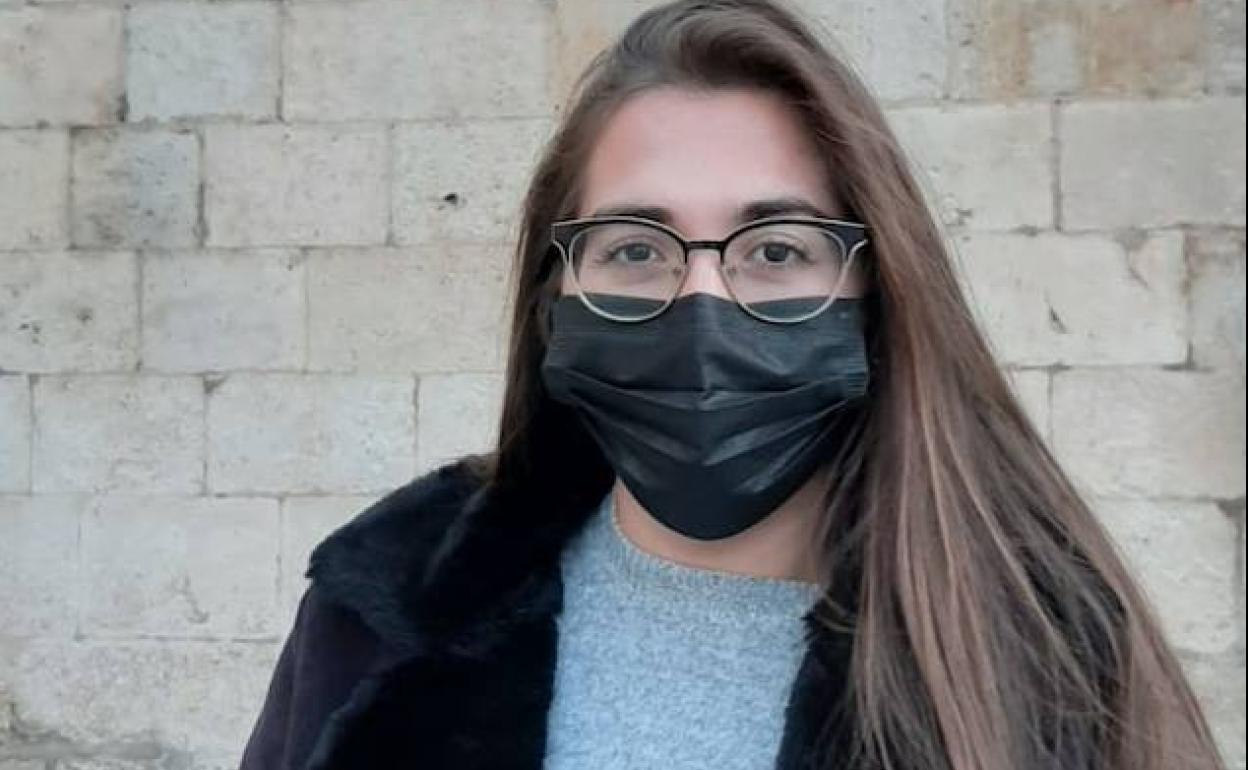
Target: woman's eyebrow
x=748, y=212
x=639, y=210
x=774, y=207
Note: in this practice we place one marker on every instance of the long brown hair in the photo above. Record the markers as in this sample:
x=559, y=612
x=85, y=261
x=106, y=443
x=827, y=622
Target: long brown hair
x=994, y=624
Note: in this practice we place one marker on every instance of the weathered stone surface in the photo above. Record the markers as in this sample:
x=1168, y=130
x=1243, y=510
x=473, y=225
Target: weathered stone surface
x=1079, y=300
x=304, y=185
x=457, y=414
x=311, y=434
x=190, y=704
x=1183, y=554
x=223, y=310
x=62, y=65
x=1003, y=49
x=15, y=438
x=1224, y=57
x=39, y=571
x=899, y=48
x=202, y=59
x=118, y=433
x=135, y=188
x=34, y=189
x=1152, y=164
x=208, y=567
x=1151, y=433
x=103, y=763
x=428, y=309
x=984, y=167
x=463, y=181
x=71, y=311
x=381, y=59
x=1216, y=260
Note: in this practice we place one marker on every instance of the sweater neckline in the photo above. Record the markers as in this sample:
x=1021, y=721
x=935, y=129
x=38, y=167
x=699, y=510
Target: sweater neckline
x=645, y=570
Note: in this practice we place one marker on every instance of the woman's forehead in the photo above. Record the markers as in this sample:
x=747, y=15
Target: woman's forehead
x=704, y=154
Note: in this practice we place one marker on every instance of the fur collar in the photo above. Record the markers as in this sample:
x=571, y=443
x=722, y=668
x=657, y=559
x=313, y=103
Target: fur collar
x=461, y=582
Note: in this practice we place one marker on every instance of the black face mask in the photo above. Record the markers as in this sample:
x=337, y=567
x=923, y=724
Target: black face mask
x=712, y=418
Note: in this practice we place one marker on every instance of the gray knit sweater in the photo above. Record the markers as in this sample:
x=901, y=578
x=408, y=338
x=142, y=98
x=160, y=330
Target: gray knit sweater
x=668, y=667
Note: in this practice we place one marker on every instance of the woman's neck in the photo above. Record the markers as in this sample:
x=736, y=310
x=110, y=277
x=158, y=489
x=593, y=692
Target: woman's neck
x=780, y=546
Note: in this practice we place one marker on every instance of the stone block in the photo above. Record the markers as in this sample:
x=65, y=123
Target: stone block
x=15, y=438
x=1217, y=296
x=135, y=188
x=1151, y=433
x=39, y=572
x=463, y=181
x=431, y=309
x=382, y=59
x=1079, y=300
x=984, y=167
x=305, y=185
x=1224, y=54
x=34, y=189
x=1006, y=50
x=62, y=65
x=222, y=310
x=180, y=567
x=68, y=311
x=457, y=414
x=1152, y=164
x=1183, y=556
x=310, y=434
x=118, y=433
x=202, y=59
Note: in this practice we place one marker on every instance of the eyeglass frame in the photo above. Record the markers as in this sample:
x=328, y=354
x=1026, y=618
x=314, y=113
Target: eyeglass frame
x=563, y=233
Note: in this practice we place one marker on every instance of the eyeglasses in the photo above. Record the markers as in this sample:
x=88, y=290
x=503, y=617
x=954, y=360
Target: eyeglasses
x=778, y=269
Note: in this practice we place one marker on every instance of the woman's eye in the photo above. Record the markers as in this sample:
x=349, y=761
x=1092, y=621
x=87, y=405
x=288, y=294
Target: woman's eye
x=777, y=253
x=632, y=253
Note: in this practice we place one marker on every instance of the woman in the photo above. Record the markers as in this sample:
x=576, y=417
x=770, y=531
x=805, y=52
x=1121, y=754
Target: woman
x=761, y=498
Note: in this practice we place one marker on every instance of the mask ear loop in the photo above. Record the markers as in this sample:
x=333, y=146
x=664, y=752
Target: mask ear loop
x=547, y=322
x=548, y=281
x=872, y=303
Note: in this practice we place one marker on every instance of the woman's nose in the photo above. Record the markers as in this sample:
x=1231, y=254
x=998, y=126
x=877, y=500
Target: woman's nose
x=702, y=274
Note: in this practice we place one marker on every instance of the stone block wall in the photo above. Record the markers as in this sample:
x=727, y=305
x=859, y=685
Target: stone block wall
x=253, y=267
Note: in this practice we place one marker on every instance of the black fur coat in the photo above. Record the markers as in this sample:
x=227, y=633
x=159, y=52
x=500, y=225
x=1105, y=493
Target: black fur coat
x=427, y=639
